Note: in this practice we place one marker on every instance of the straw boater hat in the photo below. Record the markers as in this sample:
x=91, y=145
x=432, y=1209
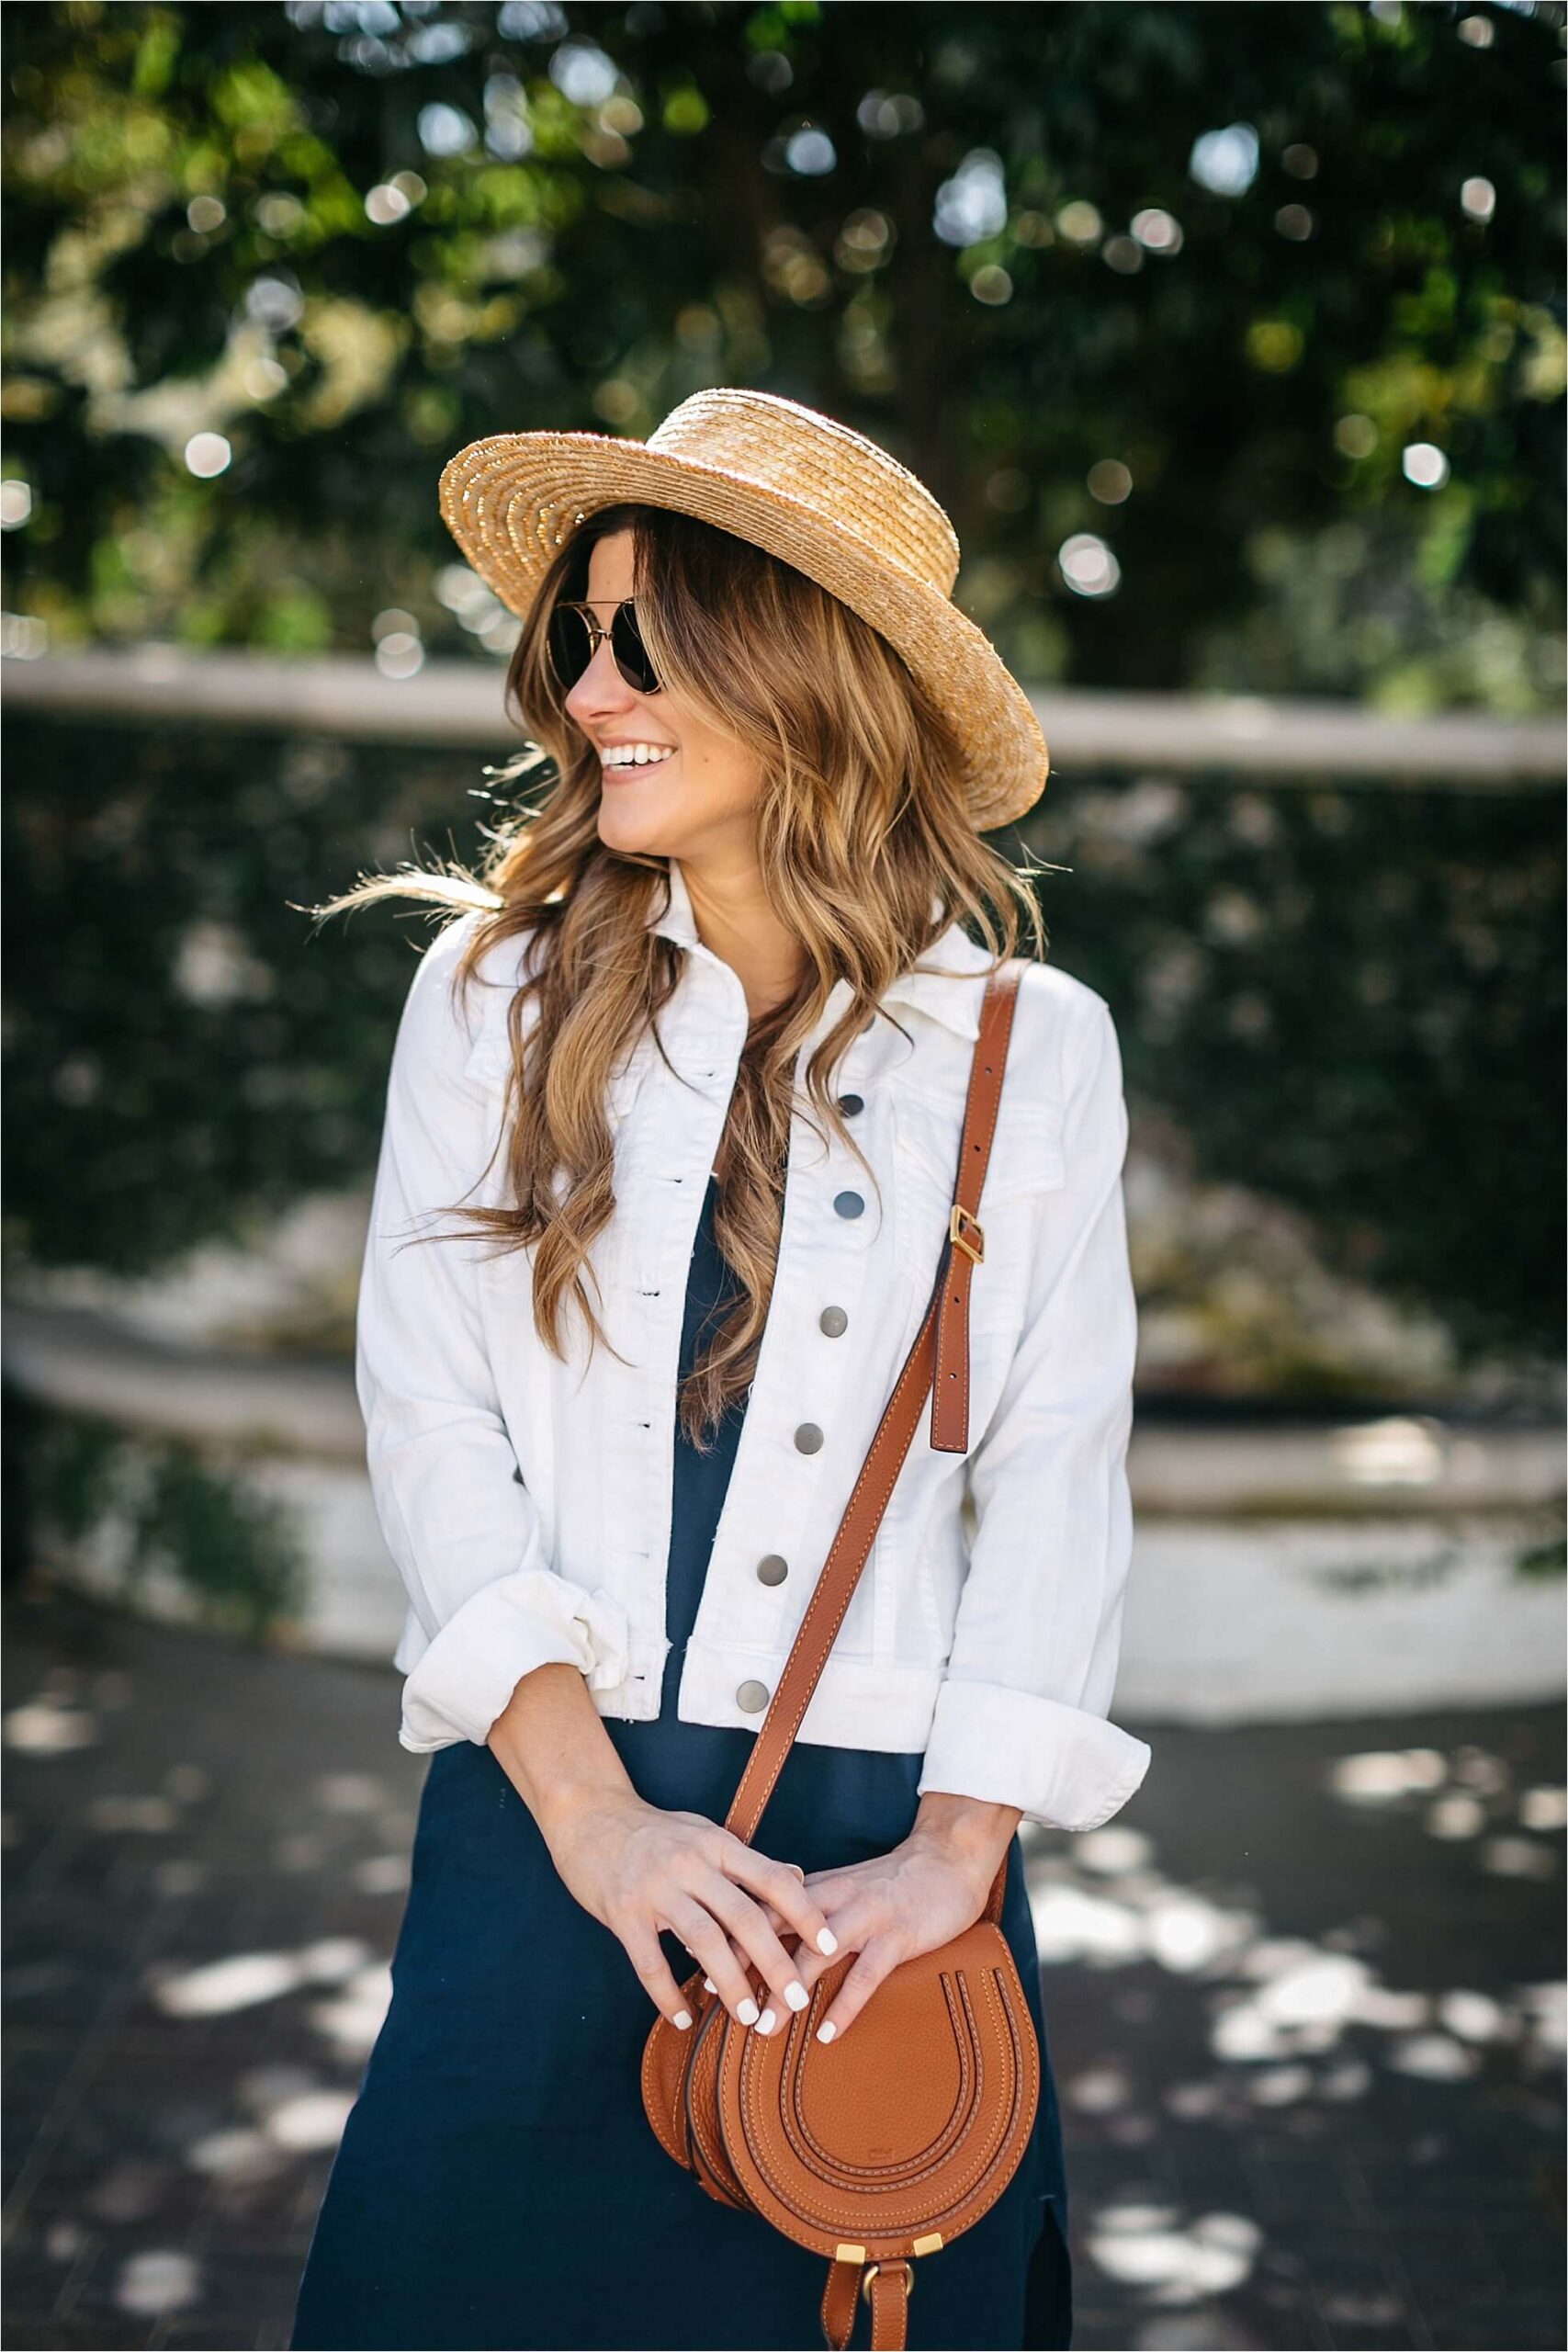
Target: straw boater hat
x=809, y=490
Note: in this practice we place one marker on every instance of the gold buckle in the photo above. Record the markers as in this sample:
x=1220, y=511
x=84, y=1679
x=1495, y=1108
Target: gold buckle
x=873, y=2267
x=960, y=1215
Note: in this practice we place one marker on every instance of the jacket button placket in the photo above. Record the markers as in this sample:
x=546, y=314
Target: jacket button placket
x=833, y=1322
x=842, y=1265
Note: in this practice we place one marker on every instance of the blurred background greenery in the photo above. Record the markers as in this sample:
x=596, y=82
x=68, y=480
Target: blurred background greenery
x=1232, y=338
x=1263, y=301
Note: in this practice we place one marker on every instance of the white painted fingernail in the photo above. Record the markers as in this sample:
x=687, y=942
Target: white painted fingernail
x=766, y=2022
x=683, y=2019
x=826, y=1941
x=708, y=1985
x=796, y=1994
x=747, y=2012
x=827, y=2029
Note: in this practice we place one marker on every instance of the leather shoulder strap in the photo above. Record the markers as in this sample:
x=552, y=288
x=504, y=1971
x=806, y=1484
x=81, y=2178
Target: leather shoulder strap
x=940, y=1355
x=966, y=1240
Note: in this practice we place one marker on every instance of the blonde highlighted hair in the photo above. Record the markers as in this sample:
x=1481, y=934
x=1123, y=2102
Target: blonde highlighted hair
x=861, y=823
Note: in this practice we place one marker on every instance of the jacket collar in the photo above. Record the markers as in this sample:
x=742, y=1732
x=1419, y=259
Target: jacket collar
x=934, y=986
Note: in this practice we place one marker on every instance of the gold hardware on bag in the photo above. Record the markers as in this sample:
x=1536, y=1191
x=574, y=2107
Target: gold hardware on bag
x=959, y=1242
x=870, y=2270
x=849, y=2253
x=930, y=2244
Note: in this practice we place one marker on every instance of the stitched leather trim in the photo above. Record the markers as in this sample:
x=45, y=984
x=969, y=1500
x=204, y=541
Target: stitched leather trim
x=808, y=2146
x=883, y=2218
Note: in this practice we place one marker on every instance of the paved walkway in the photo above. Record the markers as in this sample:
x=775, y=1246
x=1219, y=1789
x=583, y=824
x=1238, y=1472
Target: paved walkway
x=1304, y=1999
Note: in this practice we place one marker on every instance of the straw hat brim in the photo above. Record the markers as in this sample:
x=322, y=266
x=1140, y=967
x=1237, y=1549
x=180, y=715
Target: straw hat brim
x=511, y=502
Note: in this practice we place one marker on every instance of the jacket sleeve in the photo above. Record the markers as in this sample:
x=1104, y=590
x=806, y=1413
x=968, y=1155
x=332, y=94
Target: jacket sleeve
x=1022, y=1712
x=462, y=1528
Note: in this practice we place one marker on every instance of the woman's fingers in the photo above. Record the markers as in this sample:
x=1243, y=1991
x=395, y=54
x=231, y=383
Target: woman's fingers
x=872, y=1966
x=781, y=1929
x=779, y=1924
x=756, y=1927
x=749, y=1929
x=705, y=1940
x=811, y=1965
x=642, y=1948
x=754, y=1934
x=858, y=1921
x=784, y=1885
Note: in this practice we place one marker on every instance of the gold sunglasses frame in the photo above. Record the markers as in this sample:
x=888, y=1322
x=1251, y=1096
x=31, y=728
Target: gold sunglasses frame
x=598, y=631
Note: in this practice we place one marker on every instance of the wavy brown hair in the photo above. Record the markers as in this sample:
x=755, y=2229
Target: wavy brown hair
x=860, y=822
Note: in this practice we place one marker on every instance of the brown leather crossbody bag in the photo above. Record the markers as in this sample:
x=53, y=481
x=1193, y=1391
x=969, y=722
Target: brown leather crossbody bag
x=885, y=2145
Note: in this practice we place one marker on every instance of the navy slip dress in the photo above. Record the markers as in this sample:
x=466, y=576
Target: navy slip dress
x=498, y=2183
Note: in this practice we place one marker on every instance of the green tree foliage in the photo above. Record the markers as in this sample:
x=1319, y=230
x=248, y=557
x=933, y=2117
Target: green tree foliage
x=1183, y=284
x=1230, y=335
x=158, y=1507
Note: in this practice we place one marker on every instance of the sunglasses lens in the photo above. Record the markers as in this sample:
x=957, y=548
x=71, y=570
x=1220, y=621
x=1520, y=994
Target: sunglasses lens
x=569, y=645
x=631, y=654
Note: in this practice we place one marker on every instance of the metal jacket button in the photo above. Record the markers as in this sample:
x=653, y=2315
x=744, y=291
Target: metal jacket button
x=772, y=1568
x=751, y=1695
x=809, y=1437
x=847, y=1204
x=833, y=1320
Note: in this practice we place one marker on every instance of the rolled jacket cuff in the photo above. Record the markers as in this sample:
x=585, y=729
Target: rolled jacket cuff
x=531, y=1618
x=1059, y=1765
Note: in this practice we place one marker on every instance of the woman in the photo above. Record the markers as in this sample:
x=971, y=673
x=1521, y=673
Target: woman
x=715, y=1077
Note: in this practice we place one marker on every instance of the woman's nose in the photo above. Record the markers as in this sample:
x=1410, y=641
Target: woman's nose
x=601, y=686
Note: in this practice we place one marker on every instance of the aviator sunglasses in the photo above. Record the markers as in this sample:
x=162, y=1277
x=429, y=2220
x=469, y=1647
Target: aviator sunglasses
x=574, y=635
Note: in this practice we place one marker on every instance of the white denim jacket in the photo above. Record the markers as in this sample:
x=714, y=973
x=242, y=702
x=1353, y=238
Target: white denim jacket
x=527, y=1501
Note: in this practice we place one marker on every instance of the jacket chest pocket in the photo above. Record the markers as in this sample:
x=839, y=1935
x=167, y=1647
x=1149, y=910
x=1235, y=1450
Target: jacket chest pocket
x=1025, y=1166
x=510, y=1274
x=488, y=1066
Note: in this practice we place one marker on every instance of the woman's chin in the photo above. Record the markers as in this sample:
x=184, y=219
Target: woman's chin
x=625, y=827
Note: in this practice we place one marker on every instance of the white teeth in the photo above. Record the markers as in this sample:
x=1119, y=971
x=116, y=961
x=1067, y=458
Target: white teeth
x=627, y=755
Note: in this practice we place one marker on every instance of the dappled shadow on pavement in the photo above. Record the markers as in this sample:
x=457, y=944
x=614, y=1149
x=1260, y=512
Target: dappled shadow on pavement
x=1304, y=1999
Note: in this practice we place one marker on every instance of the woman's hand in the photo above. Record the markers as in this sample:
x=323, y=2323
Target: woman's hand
x=924, y=1893
x=638, y=1869
x=889, y=1910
